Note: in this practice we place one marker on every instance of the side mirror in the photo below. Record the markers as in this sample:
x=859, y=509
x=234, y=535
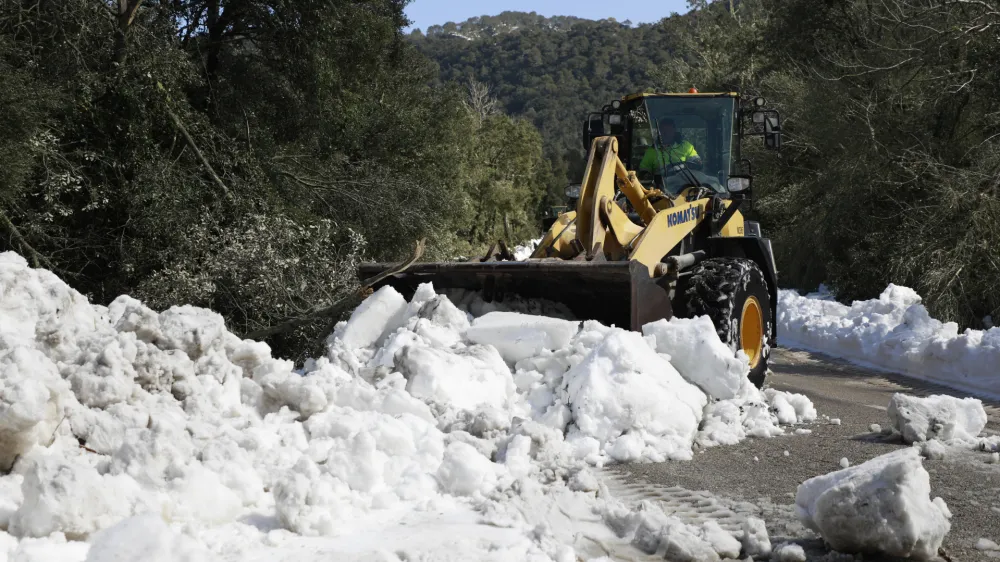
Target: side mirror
x=772, y=132
x=740, y=185
x=593, y=127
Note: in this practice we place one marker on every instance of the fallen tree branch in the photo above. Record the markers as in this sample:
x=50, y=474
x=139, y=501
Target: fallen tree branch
x=341, y=305
x=37, y=260
x=197, y=151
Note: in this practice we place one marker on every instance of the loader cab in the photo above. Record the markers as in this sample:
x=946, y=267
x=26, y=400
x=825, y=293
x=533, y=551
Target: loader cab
x=711, y=122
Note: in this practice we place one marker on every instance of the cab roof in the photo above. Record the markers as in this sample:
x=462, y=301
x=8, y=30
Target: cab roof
x=631, y=97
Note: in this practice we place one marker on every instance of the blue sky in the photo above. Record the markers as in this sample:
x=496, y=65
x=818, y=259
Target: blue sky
x=425, y=13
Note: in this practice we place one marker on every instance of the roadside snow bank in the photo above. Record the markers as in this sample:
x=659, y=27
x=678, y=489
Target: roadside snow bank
x=432, y=414
x=881, y=506
x=893, y=332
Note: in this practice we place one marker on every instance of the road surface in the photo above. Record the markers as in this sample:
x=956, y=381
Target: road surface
x=756, y=477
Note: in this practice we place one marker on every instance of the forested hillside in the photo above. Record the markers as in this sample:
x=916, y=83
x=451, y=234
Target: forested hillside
x=551, y=71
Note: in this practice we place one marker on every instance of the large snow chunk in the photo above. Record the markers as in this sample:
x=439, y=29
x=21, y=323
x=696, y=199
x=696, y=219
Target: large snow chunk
x=374, y=318
x=519, y=336
x=146, y=538
x=36, y=304
x=464, y=378
x=623, y=391
x=881, y=506
x=192, y=330
x=937, y=417
x=32, y=397
x=465, y=471
x=72, y=498
x=699, y=355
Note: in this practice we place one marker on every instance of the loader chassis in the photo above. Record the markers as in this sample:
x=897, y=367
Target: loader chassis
x=644, y=246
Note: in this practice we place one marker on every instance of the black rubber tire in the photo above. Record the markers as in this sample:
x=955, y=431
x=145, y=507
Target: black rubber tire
x=719, y=288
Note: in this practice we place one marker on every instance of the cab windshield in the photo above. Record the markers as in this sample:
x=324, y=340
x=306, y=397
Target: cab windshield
x=680, y=141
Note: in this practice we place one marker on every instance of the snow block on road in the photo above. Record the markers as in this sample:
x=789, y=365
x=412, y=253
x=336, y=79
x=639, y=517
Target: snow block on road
x=881, y=506
x=945, y=418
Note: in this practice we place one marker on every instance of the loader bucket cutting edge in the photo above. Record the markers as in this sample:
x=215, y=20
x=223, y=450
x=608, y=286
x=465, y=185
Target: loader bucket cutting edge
x=613, y=293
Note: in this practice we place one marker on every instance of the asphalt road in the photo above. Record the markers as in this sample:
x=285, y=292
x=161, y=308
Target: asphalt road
x=756, y=477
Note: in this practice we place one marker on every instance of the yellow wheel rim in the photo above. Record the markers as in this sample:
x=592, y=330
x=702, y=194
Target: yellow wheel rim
x=752, y=330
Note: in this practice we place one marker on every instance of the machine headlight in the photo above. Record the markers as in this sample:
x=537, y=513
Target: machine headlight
x=573, y=191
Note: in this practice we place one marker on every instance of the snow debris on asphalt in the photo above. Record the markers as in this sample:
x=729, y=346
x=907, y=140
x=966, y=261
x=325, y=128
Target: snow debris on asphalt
x=949, y=419
x=654, y=532
x=994, y=458
x=875, y=428
x=987, y=544
x=893, y=332
x=880, y=506
x=433, y=427
x=755, y=540
x=844, y=463
x=933, y=450
x=788, y=552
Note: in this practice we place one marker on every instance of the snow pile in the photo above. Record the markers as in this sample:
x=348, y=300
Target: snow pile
x=630, y=403
x=881, y=506
x=429, y=414
x=893, y=332
x=940, y=417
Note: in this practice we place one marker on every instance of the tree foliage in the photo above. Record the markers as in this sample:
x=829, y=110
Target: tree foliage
x=243, y=155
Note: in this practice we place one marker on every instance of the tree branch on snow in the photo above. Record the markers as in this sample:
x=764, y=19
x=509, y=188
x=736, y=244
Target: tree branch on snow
x=37, y=259
x=343, y=304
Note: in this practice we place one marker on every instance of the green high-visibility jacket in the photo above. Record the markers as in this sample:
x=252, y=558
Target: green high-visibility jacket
x=654, y=159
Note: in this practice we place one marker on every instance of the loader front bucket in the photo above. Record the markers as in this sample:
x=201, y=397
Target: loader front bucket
x=613, y=293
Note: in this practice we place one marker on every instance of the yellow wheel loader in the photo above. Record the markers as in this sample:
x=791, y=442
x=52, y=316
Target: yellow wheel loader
x=657, y=231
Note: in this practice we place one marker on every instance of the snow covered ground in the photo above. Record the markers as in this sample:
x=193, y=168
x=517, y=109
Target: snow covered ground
x=893, y=332
x=442, y=428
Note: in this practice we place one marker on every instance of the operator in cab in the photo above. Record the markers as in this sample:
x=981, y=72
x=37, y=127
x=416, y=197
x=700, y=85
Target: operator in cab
x=674, y=150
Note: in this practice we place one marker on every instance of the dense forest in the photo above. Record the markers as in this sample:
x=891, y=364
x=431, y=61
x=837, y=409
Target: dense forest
x=245, y=155
x=550, y=71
